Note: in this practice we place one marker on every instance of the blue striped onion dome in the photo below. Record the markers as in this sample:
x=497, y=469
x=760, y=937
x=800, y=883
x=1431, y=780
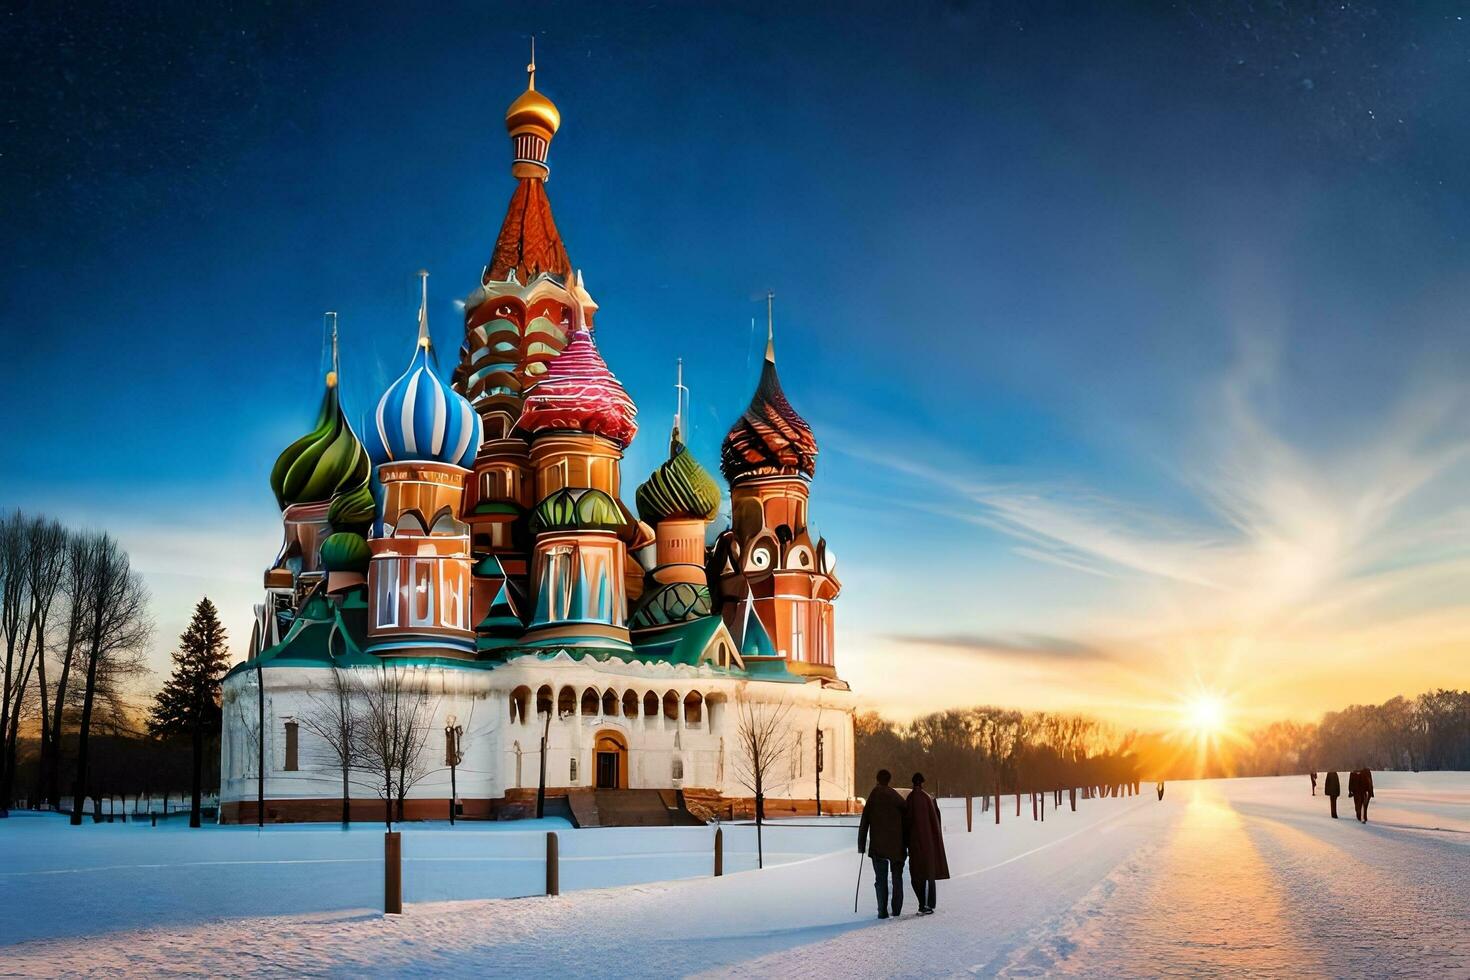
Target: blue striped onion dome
x=420, y=417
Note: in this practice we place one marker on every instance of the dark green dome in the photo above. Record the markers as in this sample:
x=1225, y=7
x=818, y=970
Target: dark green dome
x=323, y=463
x=345, y=552
x=679, y=488
x=352, y=509
x=677, y=602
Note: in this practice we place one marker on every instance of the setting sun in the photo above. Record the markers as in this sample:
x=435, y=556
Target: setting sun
x=1205, y=714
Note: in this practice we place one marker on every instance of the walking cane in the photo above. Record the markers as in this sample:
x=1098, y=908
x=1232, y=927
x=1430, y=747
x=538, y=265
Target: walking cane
x=857, y=889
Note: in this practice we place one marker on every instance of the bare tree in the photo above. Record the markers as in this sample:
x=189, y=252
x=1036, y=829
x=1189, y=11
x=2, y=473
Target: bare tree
x=336, y=720
x=396, y=711
x=46, y=571
x=766, y=742
x=118, y=629
x=78, y=616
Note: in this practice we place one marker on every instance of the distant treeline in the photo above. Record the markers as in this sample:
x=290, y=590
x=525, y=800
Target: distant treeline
x=976, y=751
x=971, y=751
x=1431, y=731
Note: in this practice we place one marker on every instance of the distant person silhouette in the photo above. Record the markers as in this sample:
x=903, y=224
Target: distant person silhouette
x=881, y=836
x=1314, y=782
x=1332, y=789
x=1161, y=789
x=927, y=863
x=1361, y=788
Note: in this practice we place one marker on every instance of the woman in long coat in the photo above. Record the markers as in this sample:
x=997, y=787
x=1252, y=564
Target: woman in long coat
x=927, y=861
x=1333, y=789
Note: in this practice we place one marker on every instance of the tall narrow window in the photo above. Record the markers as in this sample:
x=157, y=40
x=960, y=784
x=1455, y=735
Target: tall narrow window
x=451, y=612
x=291, y=746
x=387, y=593
x=421, y=593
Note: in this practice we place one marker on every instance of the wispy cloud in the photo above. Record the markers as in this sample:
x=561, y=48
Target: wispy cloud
x=1025, y=645
x=1277, y=550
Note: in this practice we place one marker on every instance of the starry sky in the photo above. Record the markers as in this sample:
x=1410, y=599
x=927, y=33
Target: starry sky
x=1134, y=335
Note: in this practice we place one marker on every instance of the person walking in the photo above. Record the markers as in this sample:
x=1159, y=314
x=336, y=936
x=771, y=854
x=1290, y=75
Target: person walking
x=1364, y=793
x=1314, y=782
x=881, y=837
x=1354, y=778
x=927, y=862
x=1332, y=789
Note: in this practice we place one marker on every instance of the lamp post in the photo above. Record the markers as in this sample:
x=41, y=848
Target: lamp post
x=452, y=733
x=819, y=772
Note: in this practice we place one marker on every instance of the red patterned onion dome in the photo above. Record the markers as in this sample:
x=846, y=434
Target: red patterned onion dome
x=579, y=394
x=770, y=438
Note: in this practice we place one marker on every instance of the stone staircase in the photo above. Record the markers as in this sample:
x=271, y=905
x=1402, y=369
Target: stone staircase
x=628, y=808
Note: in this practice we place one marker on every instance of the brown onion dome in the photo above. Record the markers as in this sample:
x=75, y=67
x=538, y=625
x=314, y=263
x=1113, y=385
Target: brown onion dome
x=680, y=488
x=770, y=438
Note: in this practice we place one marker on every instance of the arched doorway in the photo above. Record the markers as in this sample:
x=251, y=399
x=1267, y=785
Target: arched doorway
x=610, y=760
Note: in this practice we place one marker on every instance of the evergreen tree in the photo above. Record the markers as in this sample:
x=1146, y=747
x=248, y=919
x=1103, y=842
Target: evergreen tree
x=189, y=703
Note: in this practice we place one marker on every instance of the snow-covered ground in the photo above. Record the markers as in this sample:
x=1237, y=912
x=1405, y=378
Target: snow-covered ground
x=1239, y=878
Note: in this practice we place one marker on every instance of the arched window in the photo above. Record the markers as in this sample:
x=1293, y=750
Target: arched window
x=543, y=699
x=650, y=704
x=693, y=704
x=566, y=701
x=671, y=706
x=519, y=699
x=590, y=701
x=609, y=704
x=630, y=704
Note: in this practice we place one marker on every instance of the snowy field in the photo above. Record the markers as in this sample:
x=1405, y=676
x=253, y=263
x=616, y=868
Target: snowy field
x=1238, y=878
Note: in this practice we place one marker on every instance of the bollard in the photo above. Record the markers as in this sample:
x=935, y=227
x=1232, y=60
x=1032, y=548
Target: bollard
x=1042, y=794
x=997, y=804
x=153, y=820
x=392, y=873
x=553, y=872
x=1018, y=803
x=1072, y=794
x=969, y=814
x=1033, y=806
x=719, y=851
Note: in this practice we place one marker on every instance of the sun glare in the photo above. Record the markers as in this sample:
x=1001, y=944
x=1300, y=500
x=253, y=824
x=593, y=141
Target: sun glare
x=1205, y=714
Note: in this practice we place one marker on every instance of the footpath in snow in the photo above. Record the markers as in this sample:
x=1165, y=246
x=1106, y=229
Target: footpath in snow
x=1236, y=877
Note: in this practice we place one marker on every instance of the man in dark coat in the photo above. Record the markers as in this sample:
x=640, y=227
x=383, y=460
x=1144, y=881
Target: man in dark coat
x=1333, y=789
x=1362, y=790
x=1354, y=778
x=883, y=819
x=927, y=863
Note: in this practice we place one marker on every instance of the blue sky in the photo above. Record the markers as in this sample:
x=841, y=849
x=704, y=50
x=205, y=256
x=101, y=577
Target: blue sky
x=1133, y=337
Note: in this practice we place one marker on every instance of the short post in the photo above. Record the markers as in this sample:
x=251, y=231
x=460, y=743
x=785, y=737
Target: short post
x=1018, y=803
x=1042, y=794
x=1033, y=806
x=719, y=851
x=152, y=819
x=969, y=814
x=1072, y=794
x=392, y=873
x=997, y=804
x=553, y=872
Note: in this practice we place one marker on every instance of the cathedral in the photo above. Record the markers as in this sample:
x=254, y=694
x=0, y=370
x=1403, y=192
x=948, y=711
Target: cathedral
x=473, y=543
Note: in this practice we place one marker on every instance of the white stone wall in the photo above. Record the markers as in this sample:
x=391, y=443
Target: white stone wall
x=481, y=703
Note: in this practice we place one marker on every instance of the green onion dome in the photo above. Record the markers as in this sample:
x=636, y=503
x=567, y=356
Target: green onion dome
x=571, y=509
x=352, y=509
x=345, y=552
x=323, y=463
x=679, y=488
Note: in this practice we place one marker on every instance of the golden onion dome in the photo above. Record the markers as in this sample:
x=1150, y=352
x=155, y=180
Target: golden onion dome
x=532, y=112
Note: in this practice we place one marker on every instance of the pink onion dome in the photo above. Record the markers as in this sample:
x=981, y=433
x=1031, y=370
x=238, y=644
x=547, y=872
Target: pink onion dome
x=579, y=394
